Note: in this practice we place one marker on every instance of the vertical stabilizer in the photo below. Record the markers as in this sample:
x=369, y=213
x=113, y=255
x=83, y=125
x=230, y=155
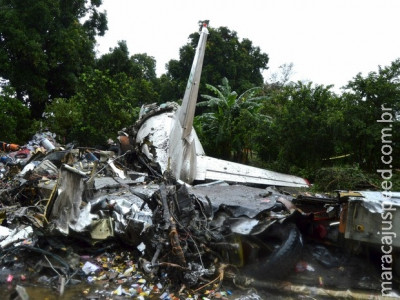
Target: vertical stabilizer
x=183, y=141
x=187, y=110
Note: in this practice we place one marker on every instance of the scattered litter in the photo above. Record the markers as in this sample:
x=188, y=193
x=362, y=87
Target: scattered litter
x=23, y=295
x=89, y=268
x=302, y=266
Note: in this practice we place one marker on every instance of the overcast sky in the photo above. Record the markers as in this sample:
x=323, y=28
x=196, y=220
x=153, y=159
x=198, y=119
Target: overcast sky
x=328, y=41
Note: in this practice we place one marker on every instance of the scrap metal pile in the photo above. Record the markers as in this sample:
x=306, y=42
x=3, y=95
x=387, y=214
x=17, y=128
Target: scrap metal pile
x=72, y=214
x=111, y=223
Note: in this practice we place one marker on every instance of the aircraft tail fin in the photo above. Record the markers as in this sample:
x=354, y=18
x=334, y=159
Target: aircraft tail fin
x=188, y=107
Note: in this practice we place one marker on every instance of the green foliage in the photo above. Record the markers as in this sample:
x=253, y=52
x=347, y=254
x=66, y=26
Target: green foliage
x=364, y=99
x=394, y=182
x=44, y=47
x=168, y=89
x=103, y=105
x=14, y=118
x=228, y=127
x=340, y=178
x=139, y=68
x=62, y=117
x=147, y=65
x=118, y=61
x=305, y=128
x=107, y=106
x=310, y=125
x=225, y=56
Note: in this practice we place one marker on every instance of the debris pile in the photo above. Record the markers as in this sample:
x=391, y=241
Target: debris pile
x=80, y=215
x=114, y=225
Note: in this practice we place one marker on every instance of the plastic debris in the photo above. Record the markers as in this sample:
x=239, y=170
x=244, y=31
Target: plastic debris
x=89, y=268
x=8, y=147
x=10, y=278
x=302, y=266
x=23, y=295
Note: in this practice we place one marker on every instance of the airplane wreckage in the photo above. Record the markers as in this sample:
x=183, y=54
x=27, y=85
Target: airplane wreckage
x=182, y=223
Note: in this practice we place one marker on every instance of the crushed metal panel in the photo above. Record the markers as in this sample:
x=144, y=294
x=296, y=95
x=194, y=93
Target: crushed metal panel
x=46, y=187
x=365, y=222
x=131, y=217
x=373, y=200
x=85, y=219
x=153, y=138
x=109, y=183
x=182, y=153
x=4, y=232
x=17, y=236
x=132, y=178
x=159, y=138
x=122, y=214
x=66, y=207
x=118, y=172
x=244, y=225
x=237, y=199
x=102, y=229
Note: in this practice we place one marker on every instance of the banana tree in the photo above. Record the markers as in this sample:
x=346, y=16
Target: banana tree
x=230, y=120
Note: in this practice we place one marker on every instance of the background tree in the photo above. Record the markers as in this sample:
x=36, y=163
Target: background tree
x=139, y=68
x=118, y=61
x=227, y=128
x=306, y=128
x=44, y=47
x=363, y=98
x=169, y=89
x=14, y=118
x=103, y=105
x=147, y=66
x=280, y=78
x=225, y=56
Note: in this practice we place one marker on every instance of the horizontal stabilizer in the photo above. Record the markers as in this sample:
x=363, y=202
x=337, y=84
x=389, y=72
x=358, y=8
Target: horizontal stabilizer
x=209, y=168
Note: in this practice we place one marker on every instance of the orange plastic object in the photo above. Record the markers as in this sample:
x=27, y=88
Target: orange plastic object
x=8, y=147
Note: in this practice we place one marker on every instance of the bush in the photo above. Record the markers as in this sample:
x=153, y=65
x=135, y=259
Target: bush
x=341, y=178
